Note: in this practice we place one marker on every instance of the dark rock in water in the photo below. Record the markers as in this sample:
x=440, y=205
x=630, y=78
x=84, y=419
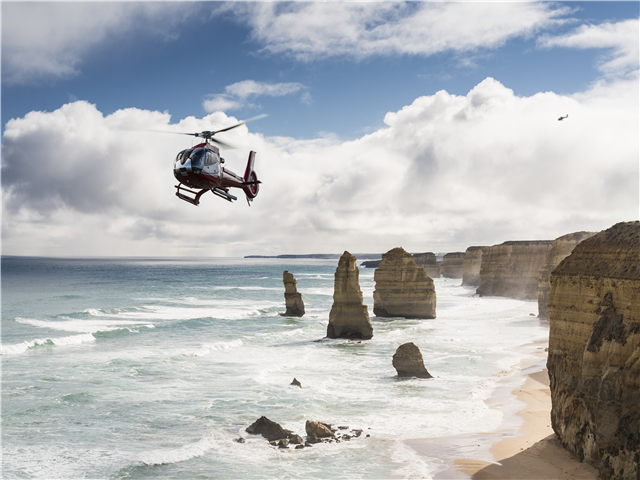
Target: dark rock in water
x=408, y=362
x=307, y=444
x=299, y=447
x=268, y=429
x=357, y=433
x=317, y=429
x=311, y=438
x=370, y=263
x=346, y=437
x=343, y=428
x=292, y=298
x=296, y=383
x=297, y=439
x=283, y=443
x=239, y=440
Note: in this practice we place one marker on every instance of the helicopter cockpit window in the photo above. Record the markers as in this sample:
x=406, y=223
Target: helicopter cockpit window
x=182, y=156
x=197, y=157
x=212, y=159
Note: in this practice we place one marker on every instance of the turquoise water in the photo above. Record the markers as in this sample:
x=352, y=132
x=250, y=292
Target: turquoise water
x=133, y=368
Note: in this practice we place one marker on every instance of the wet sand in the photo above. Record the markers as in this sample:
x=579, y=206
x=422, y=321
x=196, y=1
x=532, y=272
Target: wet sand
x=527, y=449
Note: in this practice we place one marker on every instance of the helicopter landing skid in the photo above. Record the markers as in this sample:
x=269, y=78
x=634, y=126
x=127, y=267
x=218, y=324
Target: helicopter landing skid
x=195, y=200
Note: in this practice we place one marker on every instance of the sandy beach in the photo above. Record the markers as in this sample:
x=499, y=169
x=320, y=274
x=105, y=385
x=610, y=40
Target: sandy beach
x=528, y=450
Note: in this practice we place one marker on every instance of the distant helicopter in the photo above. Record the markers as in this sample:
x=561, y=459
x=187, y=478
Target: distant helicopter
x=200, y=167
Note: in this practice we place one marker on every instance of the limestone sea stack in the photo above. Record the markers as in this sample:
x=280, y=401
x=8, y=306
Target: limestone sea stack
x=292, y=298
x=594, y=351
x=511, y=269
x=349, y=317
x=452, y=265
x=403, y=289
x=471, y=266
x=429, y=263
x=408, y=362
x=561, y=249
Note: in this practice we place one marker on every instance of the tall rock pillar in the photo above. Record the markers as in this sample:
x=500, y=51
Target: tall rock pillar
x=349, y=317
x=292, y=298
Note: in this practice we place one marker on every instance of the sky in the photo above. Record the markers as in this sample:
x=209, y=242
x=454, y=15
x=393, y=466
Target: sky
x=427, y=125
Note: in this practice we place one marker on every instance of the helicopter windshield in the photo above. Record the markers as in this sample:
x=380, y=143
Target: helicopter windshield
x=197, y=157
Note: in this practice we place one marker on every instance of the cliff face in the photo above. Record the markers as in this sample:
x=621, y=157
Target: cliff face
x=292, y=298
x=594, y=351
x=349, y=317
x=452, y=265
x=403, y=289
x=511, y=269
x=561, y=249
x=429, y=264
x=471, y=266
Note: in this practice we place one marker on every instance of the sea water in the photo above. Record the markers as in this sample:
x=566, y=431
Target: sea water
x=150, y=368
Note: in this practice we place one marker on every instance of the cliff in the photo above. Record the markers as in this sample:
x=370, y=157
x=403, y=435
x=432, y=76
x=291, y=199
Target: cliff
x=452, y=265
x=511, y=269
x=429, y=263
x=403, y=289
x=471, y=266
x=561, y=249
x=349, y=317
x=292, y=298
x=594, y=351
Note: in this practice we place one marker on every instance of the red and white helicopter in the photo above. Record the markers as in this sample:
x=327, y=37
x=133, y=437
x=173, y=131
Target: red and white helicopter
x=200, y=167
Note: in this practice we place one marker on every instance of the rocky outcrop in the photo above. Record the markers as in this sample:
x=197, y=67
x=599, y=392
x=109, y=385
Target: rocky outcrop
x=349, y=317
x=429, y=263
x=408, y=362
x=561, y=249
x=268, y=429
x=471, y=266
x=403, y=289
x=370, y=264
x=317, y=429
x=292, y=298
x=594, y=351
x=452, y=265
x=511, y=269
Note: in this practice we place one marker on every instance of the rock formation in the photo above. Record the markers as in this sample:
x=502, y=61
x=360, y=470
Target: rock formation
x=594, y=351
x=511, y=269
x=429, y=263
x=408, y=362
x=403, y=289
x=471, y=266
x=452, y=265
x=268, y=429
x=349, y=317
x=292, y=298
x=317, y=429
x=561, y=249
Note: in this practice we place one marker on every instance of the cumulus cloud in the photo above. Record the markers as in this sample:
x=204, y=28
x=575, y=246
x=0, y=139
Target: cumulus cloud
x=446, y=172
x=621, y=39
x=308, y=31
x=47, y=41
x=241, y=94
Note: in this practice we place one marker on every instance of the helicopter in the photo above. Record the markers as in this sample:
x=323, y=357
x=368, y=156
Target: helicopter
x=200, y=167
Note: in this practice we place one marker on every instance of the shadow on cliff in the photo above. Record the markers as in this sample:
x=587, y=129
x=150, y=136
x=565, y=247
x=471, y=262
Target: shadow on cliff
x=544, y=460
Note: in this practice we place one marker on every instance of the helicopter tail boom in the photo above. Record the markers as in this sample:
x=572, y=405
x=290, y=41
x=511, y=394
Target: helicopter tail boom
x=251, y=184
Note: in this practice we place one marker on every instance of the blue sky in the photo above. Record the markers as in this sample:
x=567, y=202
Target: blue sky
x=331, y=77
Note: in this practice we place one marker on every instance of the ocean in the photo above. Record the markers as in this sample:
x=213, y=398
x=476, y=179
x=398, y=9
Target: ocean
x=132, y=368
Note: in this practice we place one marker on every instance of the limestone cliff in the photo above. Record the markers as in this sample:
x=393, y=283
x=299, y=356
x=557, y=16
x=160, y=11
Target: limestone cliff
x=561, y=249
x=471, y=266
x=349, y=317
x=594, y=351
x=403, y=289
x=511, y=269
x=429, y=263
x=452, y=265
x=292, y=298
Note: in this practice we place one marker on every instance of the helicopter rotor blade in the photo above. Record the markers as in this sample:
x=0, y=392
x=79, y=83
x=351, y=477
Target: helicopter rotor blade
x=241, y=123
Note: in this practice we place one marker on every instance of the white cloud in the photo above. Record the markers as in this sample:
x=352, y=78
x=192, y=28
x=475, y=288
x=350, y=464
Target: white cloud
x=621, y=39
x=47, y=41
x=308, y=31
x=240, y=94
x=446, y=172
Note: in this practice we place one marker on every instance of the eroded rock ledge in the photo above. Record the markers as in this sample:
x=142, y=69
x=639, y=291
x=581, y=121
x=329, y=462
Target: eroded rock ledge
x=293, y=298
x=471, y=266
x=429, y=263
x=452, y=265
x=511, y=269
x=594, y=351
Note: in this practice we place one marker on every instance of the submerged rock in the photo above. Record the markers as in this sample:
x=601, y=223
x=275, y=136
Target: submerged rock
x=594, y=351
x=296, y=383
x=268, y=429
x=349, y=317
x=292, y=298
x=403, y=289
x=408, y=362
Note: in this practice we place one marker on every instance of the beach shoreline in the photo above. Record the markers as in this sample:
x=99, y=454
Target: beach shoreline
x=523, y=447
